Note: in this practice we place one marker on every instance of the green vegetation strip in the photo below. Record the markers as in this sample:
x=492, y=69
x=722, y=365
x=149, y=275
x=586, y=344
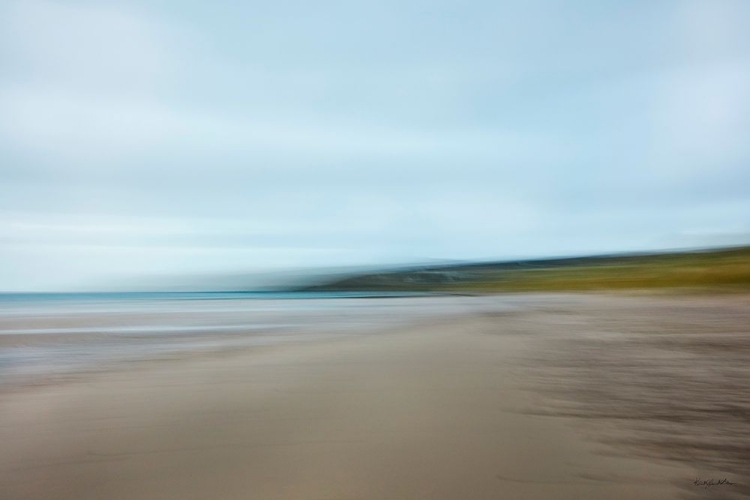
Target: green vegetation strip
x=727, y=269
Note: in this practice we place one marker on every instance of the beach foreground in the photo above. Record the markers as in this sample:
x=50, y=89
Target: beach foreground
x=570, y=397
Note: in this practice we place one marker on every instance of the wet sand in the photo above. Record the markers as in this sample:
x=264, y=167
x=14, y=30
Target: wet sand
x=565, y=397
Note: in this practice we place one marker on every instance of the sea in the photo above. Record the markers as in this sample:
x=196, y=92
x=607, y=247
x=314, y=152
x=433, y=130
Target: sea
x=54, y=334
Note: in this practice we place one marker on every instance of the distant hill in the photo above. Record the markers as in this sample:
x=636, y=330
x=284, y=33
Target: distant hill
x=725, y=268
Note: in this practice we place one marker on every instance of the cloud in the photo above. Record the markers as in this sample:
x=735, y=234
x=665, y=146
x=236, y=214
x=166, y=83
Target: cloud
x=86, y=47
x=90, y=129
x=701, y=121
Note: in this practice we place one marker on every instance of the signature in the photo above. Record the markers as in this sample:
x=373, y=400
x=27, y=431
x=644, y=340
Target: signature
x=711, y=482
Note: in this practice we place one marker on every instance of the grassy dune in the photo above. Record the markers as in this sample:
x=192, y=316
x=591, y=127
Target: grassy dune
x=727, y=269
x=712, y=269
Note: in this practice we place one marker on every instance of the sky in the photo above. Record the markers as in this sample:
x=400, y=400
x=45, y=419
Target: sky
x=163, y=138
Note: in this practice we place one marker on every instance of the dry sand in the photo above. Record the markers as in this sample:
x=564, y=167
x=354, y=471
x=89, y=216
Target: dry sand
x=600, y=397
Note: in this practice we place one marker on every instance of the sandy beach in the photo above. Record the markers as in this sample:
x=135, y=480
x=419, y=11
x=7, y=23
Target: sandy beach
x=565, y=397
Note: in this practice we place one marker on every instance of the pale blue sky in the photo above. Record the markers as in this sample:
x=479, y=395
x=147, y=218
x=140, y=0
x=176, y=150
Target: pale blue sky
x=160, y=138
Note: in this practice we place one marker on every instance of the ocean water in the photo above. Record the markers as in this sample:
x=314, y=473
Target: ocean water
x=49, y=334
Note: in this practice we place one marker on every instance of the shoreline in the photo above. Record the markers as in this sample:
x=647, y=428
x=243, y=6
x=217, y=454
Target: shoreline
x=482, y=405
